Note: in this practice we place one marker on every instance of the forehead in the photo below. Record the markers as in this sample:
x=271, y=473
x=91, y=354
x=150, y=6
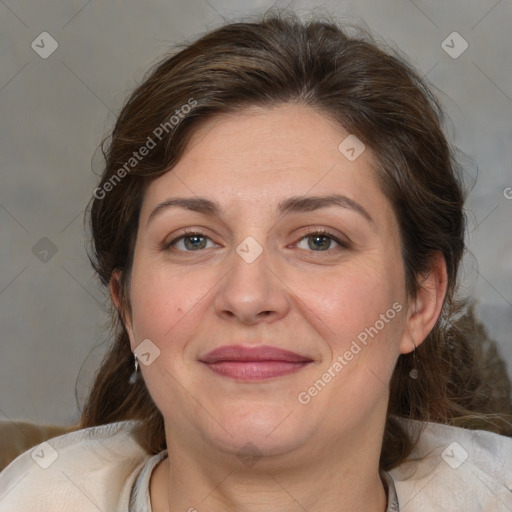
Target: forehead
x=254, y=159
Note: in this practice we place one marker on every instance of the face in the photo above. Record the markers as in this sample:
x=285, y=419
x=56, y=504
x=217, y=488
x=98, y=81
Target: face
x=273, y=298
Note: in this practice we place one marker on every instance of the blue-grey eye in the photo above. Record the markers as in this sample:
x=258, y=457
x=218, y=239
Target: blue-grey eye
x=192, y=242
x=319, y=242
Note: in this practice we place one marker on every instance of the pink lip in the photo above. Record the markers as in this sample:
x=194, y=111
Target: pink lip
x=253, y=363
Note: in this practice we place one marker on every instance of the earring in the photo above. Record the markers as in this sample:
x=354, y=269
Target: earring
x=135, y=375
x=414, y=372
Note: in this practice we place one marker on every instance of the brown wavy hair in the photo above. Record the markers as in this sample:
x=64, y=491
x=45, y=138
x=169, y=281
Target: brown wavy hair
x=369, y=91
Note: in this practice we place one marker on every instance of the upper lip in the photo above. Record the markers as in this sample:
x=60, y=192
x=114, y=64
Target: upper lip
x=252, y=354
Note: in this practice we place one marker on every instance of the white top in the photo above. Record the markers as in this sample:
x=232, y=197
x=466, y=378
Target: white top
x=103, y=468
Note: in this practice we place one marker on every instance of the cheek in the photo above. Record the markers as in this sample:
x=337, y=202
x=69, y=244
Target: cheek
x=365, y=315
x=164, y=301
x=352, y=299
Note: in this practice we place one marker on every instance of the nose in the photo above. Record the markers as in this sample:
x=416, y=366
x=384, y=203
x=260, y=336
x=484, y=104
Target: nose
x=252, y=292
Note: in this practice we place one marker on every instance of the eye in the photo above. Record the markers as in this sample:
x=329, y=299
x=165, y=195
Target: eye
x=191, y=241
x=317, y=241
x=321, y=241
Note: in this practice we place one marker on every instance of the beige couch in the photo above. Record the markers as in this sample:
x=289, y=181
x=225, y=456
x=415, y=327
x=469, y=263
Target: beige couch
x=17, y=437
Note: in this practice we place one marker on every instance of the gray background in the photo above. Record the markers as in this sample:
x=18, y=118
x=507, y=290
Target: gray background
x=55, y=111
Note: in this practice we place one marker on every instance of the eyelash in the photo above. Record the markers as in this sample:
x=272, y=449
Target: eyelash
x=321, y=232
x=327, y=234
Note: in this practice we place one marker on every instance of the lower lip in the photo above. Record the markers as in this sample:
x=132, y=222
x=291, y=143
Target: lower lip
x=255, y=370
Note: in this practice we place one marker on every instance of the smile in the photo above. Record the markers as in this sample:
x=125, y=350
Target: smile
x=255, y=363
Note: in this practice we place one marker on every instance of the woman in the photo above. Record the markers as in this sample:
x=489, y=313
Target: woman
x=280, y=224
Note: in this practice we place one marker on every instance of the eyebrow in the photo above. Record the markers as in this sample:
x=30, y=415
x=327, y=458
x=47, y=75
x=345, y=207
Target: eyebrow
x=295, y=204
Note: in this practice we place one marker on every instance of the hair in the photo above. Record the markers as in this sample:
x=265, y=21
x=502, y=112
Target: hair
x=370, y=92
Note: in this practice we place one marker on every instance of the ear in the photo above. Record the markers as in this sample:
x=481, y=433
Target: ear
x=424, y=310
x=118, y=299
x=115, y=290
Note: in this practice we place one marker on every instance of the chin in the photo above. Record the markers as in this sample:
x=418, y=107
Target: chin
x=265, y=429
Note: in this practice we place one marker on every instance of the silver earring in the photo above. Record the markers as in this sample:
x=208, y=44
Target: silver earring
x=414, y=372
x=135, y=375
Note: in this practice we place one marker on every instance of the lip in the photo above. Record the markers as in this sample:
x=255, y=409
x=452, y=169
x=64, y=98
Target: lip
x=254, y=363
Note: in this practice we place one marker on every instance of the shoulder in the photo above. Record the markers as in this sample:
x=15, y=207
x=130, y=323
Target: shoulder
x=455, y=469
x=90, y=469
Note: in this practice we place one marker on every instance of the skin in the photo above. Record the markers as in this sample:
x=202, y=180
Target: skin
x=319, y=456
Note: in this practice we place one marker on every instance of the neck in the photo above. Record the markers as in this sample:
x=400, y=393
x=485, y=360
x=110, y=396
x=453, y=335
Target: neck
x=338, y=480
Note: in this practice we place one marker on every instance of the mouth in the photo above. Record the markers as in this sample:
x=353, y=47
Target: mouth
x=254, y=363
